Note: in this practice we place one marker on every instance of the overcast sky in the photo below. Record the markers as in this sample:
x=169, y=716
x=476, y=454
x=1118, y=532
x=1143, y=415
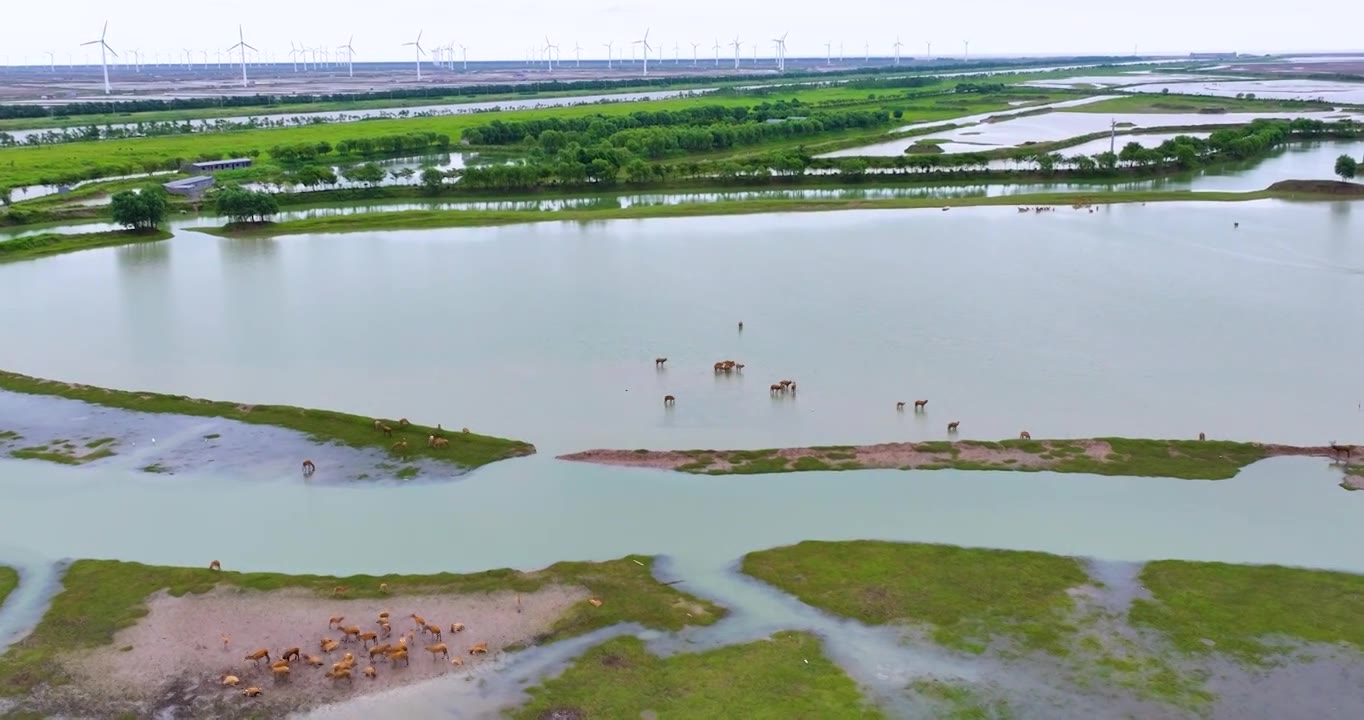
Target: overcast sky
x=505, y=29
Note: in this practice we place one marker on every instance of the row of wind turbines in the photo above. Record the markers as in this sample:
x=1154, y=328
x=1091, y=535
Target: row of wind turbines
x=549, y=52
x=445, y=55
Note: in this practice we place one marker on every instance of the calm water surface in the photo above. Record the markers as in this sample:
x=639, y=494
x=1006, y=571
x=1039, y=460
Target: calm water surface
x=1160, y=320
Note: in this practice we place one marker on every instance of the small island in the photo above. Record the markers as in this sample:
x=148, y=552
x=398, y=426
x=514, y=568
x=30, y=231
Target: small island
x=1186, y=459
x=337, y=444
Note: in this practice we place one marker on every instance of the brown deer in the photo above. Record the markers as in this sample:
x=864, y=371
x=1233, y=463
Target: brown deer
x=1341, y=449
x=659, y=362
x=388, y=431
x=261, y=654
x=776, y=388
x=900, y=406
x=1201, y=436
x=920, y=405
x=402, y=422
x=952, y=426
x=252, y=692
x=292, y=652
x=308, y=467
x=438, y=649
x=435, y=631
x=215, y=565
x=479, y=649
x=1025, y=435
x=335, y=620
x=399, y=447
x=669, y=400
x=367, y=637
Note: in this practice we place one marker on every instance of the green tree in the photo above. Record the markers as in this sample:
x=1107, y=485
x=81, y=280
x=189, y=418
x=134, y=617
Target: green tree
x=432, y=179
x=239, y=205
x=368, y=174
x=142, y=210
x=1346, y=167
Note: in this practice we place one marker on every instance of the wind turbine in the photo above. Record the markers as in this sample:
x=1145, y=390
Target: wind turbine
x=577, y=54
x=205, y=54
x=551, y=50
x=645, y=42
x=781, y=51
x=694, y=46
x=897, y=47
x=866, y=52
x=52, y=61
x=840, y=53
x=241, y=43
x=293, y=54
x=717, y=52
x=350, y=56
x=829, y=52
x=608, y=45
x=965, y=50
x=928, y=49
x=418, y=44
x=677, y=52
x=189, y=59
x=737, y=43
x=464, y=55
x=103, y=48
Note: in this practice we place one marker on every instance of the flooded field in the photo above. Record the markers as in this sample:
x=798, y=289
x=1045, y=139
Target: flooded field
x=1342, y=93
x=1061, y=125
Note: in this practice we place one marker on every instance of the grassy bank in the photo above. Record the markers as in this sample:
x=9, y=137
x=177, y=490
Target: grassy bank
x=33, y=247
x=1186, y=459
x=785, y=676
x=465, y=449
x=1248, y=611
x=9, y=579
x=965, y=597
x=101, y=597
x=433, y=219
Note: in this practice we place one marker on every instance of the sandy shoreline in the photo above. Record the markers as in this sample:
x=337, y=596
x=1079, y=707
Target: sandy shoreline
x=966, y=454
x=176, y=655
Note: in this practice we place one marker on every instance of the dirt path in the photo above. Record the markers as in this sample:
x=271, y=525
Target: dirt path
x=176, y=654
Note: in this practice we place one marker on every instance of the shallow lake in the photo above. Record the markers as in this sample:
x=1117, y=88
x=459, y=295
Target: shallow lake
x=1331, y=91
x=1159, y=320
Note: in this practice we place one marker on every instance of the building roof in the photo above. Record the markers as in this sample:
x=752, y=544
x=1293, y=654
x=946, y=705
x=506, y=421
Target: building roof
x=221, y=163
x=189, y=182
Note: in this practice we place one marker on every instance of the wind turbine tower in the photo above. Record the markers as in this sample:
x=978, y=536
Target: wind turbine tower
x=717, y=52
x=898, y=45
x=644, y=41
x=241, y=44
x=550, y=50
x=694, y=46
x=464, y=55
x=737, y=44
x=350, y=56
x=608, y=45
x=577, y=54
x=965, y=50
x=52, y=61
x=418, y=45
x=103, y=60
x=781, y=51
x=829, y=52
x=866, y=52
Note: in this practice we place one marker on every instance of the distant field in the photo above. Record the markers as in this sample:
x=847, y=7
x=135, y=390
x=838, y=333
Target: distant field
x=1157, y=103
x=42, y=164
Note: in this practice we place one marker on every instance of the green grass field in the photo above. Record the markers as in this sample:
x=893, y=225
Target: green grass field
x=33, y=247
x=1249, y=611
x=966, y=597
x=783, y=677
x=9, y=579
x=465, y=449
x=33, y=165
x=1157, y=103
x=101, y=597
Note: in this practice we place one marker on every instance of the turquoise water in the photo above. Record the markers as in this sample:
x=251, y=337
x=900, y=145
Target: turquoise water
x=1160, y=320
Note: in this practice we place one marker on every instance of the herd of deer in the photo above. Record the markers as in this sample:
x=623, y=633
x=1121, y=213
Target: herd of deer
x=435, y=441
x=785, y=386
x=392, y=653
